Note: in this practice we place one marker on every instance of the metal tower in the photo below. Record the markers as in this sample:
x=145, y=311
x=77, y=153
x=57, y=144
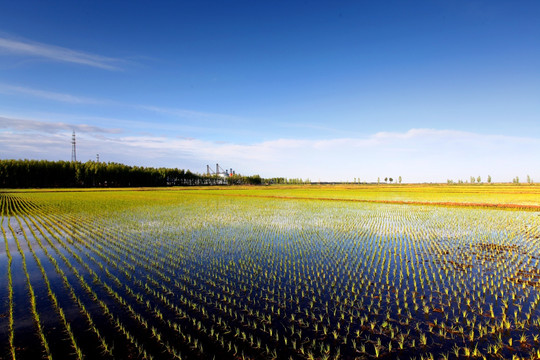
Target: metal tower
x=73, y=148
x=219, y=171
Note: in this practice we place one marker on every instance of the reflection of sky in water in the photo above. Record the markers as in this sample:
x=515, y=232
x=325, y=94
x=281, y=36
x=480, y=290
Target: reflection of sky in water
x=368, y=261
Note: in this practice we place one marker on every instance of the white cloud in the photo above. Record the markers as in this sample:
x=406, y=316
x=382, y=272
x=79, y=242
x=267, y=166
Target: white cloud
x=417, y=155
x=57, y=53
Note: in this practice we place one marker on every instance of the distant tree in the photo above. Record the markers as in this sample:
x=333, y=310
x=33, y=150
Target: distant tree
x=378, y=180
x=529, y=181
x=489, y=179
x=253, y=180
x=479, y=179
x=516, y=180
x=390, y=180
x=399, y=179
x=385, y=179
x=472, y=179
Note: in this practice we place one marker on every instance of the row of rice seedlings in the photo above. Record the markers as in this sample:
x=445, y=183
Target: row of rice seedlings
x=58, y=309
x=105, y=347
x=88, y=288
x=11, y=329
x=67, y=285
x=55, y=226
x=295, y=295
x=159, y=291
x=33, y=307
x=114, y=242
x=166, y=279
x=114, y=318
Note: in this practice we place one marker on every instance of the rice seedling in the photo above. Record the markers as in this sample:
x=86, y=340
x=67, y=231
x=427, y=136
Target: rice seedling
x=11, y=329
x=33, y=308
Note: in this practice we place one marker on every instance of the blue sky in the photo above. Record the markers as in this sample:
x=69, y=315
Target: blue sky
x=426, y=90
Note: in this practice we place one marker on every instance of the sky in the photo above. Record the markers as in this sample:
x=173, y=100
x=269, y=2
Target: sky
x=320, y=90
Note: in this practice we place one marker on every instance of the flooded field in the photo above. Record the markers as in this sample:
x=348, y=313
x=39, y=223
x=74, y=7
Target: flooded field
x=201, y=275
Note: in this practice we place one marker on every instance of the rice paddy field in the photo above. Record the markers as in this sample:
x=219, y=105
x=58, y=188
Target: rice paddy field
x=320, y=272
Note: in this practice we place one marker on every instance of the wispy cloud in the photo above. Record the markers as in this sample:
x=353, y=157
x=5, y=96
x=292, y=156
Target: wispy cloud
x=187, y=115
x=49, y=95
x=311, y=126
x=39, y=126
x=57, y=53
x=416, y=154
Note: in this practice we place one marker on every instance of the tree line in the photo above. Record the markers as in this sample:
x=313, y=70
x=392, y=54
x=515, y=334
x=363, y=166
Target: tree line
x=66, y=174
x=478, y=180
